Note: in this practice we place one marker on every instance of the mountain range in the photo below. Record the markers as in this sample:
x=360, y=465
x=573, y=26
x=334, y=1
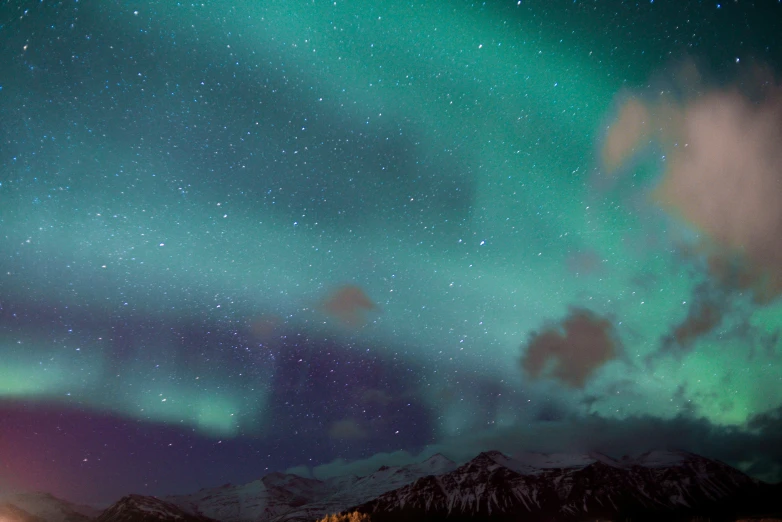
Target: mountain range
x=534, y=487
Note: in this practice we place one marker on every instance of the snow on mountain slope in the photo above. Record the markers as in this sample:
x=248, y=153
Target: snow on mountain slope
x=669, y=485
x=340, y=483
x=661, y=459
x=50, y=508
x=484, y=486
x=226, y=502
x=389, y=478
x=659, y=482
x=138, y=508
x=366, y=488
x=663, y=481
x=12, y=513
x=262, y=499
x=437, y=464
x=533, y=486
x=279, y=497
x=533, y=462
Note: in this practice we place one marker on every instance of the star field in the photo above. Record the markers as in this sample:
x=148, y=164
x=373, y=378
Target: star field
x=238, y=237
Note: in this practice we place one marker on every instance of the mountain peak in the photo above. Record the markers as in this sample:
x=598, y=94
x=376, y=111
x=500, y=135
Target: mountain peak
x=491, y=455
x=12, y=513
x=540, y=461
x=438, y=457
x=48, y=507
x=595, y=486
x=658, y=458
x=607, y=460
x=491, y=460
x=676, y=485
x=140, y=508
x=438, y=461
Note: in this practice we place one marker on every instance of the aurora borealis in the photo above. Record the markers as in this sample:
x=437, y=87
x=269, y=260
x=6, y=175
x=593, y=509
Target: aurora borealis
x=248, y=236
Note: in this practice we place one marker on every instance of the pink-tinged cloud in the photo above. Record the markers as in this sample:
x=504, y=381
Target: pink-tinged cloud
x=723, y=174
x=631, y=129
x=349, y=305
x=572, y=351
x=264, y=327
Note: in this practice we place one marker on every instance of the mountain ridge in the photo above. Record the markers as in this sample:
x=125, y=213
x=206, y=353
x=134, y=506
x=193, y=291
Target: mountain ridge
x=535, y=487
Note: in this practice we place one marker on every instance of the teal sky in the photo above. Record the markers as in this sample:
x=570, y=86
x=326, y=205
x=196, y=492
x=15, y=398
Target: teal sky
x=189, y=195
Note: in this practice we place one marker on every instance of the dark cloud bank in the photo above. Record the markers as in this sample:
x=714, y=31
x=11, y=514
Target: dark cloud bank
x=756, y=450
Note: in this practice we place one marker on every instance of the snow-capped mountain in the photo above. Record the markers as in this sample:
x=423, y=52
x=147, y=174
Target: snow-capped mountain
x=484, y=487
x=665, y=485
x=534, y=487
x=138, y=508
x=281, y=497
x=364, y=489
x=47, y=507
x=12, y=513
x=262, y=499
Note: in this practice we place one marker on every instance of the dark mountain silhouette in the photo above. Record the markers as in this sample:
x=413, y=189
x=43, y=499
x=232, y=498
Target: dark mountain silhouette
x=533, y=487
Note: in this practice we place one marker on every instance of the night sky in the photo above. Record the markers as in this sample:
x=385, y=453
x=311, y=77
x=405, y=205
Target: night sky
x=241, y=237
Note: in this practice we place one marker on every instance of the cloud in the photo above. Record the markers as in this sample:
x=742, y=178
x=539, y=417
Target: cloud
x=362, y=467
x=264, y=327
x=302, y=471
x=572, y=351
x=761, y=444
x=767, y=463
x=707, y=308
x=348, y=429
x=722, y=172
x=628, y=133
x=756, y=448
x=349, y=305
x=584, y=262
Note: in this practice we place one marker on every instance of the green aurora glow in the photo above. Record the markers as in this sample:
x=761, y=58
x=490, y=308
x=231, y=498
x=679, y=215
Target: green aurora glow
x=507, y=106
